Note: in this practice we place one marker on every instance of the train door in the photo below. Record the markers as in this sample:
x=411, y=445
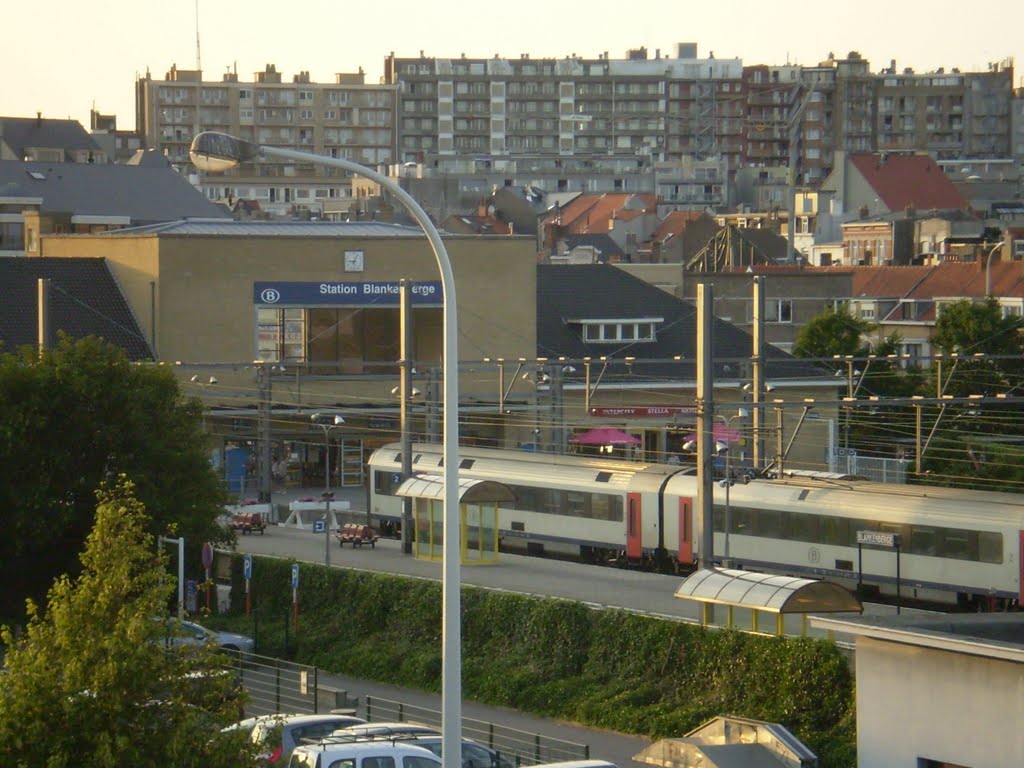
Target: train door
x=634, y=545
x=685, y=531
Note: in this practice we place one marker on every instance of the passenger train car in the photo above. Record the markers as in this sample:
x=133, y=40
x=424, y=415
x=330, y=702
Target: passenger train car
x=956, y=545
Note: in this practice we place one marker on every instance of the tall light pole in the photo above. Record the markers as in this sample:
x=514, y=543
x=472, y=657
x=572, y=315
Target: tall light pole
x=319, y=420
x=218, y=152
x=988, y=268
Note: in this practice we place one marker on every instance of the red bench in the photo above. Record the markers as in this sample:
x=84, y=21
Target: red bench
x=356, y=534
x=249, y=522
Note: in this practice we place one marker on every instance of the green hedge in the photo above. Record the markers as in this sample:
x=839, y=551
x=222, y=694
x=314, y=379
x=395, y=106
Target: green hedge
x=609, y=668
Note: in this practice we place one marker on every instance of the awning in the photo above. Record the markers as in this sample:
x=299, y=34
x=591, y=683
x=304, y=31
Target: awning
x=605, y=436
x=766, y=592
x=470, y=491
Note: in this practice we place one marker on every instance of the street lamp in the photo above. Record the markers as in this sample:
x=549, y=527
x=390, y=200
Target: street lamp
x=988, y=268
x=318, y=420
x=723, y=446
x=212, y=151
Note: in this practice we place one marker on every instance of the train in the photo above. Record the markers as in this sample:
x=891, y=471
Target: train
x=934, y=544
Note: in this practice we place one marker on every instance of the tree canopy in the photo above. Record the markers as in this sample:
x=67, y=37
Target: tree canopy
x=833, y=332
x=93, y=683
x=77, y=415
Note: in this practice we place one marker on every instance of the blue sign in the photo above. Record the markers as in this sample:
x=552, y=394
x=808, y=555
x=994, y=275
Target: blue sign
x=319, y=526
x=191, y=595
x=295, y=576
x=247, y=567
x=328, y=293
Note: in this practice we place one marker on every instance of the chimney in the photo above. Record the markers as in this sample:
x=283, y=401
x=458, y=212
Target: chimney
x=39, y=119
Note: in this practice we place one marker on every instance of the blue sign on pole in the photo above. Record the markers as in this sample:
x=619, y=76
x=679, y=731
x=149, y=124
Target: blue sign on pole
x=318, y=526
x=247, y=567
x=191, y=596
x=295, y=576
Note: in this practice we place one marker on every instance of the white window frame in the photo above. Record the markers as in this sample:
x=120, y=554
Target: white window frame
x=617, y=331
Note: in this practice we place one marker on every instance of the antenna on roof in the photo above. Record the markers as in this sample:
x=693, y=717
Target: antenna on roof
x=199, y=62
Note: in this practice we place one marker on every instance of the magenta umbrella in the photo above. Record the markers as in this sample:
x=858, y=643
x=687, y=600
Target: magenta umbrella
x=605, y=436
x=720, y=433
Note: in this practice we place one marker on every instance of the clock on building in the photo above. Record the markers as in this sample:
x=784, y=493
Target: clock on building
x=353, y=261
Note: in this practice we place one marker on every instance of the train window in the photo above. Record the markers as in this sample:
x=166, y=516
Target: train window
x=990, y=547
x=386, y=483
x=802, y=527
x=603, y=477
x=467, y=463
x=576, y=504
x=398, y=458
x=834, y=531
x=768, y=523
x=741, y=521
x=923, y=541
x=955, y=544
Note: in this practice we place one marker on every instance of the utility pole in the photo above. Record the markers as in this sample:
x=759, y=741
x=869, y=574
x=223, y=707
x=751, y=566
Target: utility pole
x=433, y=405
x=43, y=310
x=757, y=377
x=558, y=408
x=705, y=420
x=406, y=353
x=263, y=474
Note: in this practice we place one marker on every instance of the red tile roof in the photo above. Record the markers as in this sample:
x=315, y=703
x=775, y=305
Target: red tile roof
x=674, y=224
x=591, y=213
x=913, y=181
x=886, y=282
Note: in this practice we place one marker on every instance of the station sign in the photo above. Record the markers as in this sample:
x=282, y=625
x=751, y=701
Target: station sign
x=878, y=538
x=644, y=411
x=335, y=293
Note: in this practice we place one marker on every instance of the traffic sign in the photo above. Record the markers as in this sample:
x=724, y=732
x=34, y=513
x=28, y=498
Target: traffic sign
x=295, y=576
x=319, y=526
x=247, y=567
x=207, y=555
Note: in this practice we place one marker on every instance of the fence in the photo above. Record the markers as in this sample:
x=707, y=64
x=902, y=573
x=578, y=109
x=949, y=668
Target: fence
x=523, y=747
x=881, y=470
x=277, y=686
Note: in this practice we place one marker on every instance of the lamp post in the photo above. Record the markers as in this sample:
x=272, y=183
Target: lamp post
x=988, y=268
x=326, y=497
x=724, y=447
x=318, y=420
x=218, y=152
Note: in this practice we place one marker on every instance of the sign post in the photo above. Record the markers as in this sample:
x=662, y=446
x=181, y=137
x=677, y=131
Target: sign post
x=207, y=563
x=247, y=573
x=295, y=597
x=879, y=539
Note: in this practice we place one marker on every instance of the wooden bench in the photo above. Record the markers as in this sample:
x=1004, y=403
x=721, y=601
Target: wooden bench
x=249, y=522
x=356, y=534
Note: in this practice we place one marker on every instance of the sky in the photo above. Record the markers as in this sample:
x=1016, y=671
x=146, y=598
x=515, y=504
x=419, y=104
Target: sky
x=68, y=57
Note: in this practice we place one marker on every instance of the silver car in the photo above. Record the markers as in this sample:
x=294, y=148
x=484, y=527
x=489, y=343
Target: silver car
x=189, y=633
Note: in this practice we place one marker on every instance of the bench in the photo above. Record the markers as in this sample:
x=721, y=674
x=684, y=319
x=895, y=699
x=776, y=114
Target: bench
x=249, y=522
x=356, y=534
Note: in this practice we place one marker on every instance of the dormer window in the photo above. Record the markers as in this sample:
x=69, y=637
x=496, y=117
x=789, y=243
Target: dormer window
x=599, y=331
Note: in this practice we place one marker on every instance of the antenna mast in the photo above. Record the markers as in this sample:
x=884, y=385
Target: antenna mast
x=199, y=62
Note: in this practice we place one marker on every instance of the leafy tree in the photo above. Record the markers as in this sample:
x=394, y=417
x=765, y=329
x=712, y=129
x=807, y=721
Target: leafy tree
x=970, y=328
x=79, y=414
x=833, y=332
x=92, y=682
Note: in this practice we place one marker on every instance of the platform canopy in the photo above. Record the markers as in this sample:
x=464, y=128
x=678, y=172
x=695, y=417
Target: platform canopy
x=766, y=592
x=470, y=491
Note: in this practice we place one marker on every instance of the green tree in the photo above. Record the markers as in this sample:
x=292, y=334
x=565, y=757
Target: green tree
x=92, y=681
x=833, y=332
x=79, y=414
x=978, y=328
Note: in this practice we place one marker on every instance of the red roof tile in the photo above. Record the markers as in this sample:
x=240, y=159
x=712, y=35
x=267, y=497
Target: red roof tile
x=913, y=181
x=675, y=223
x=591, y=213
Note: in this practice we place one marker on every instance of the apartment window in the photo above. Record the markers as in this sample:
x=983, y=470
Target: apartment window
x=617, y=331
x=779, y=311
x=244, y=93
x=305, y=95
x=306, y=114
x=330, y=114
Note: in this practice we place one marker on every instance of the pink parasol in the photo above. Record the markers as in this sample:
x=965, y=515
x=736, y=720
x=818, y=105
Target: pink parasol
x=605, y=436
x=720, y=433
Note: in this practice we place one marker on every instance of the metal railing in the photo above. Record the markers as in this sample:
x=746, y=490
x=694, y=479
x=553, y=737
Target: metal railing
x=522, y=747
x=275, y=686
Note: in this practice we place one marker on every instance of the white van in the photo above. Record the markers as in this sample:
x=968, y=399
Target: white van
x=578, y=764
x=365, y=754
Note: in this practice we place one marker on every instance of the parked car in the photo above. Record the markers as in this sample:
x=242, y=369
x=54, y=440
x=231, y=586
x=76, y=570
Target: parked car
x=474, y=754
x=402, y=728
x=362, y=754
x=189, y=633
x=280, y=734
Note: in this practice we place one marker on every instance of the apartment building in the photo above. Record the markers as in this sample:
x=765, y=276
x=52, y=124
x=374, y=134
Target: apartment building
x=347, y=118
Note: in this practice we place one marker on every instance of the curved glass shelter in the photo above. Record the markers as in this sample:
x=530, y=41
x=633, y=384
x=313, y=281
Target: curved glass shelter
x=478, y=517
x=755, y=594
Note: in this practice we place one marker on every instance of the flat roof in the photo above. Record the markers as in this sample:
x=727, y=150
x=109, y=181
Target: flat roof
x=470, y=491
